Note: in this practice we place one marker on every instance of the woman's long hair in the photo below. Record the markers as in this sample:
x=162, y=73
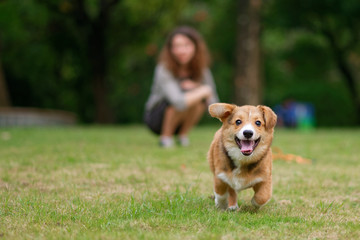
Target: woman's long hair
x=197, y=64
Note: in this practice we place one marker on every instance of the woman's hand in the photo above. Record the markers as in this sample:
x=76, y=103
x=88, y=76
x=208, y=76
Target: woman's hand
x=200, y=93
x=188, y=84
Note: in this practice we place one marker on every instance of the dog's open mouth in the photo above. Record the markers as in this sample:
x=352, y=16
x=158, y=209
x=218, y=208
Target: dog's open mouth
x=247, y=146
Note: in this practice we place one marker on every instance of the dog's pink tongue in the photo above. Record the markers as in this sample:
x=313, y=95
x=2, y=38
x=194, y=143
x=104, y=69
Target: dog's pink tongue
x=247, y=146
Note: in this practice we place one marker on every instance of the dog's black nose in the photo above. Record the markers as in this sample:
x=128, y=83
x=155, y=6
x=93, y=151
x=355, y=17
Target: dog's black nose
x=248, y=133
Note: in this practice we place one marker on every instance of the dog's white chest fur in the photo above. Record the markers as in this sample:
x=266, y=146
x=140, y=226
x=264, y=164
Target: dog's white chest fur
x=236, y=182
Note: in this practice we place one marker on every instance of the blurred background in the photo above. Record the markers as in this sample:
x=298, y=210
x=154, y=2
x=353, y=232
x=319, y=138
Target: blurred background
x=94, y=59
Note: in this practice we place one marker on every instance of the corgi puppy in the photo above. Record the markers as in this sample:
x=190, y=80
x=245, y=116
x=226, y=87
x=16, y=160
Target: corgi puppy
x=240, y=155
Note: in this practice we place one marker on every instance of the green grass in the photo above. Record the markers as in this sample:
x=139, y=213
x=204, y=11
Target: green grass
x=116, y=183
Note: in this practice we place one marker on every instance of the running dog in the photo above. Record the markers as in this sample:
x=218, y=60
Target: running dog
x=240, y=156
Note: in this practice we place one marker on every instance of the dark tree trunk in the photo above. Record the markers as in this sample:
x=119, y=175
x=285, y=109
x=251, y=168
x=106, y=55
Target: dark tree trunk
x=350, y=82
x=94, y=29
x=248, y=77
x=98, y=61
x=4, y=95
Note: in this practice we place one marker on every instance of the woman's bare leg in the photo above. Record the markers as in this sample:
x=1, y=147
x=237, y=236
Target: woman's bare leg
x=191, y=118
x=187, y=119
x=172, y=119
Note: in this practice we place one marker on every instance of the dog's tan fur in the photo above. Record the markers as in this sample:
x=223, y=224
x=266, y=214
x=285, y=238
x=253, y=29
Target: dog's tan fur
x=234, y=171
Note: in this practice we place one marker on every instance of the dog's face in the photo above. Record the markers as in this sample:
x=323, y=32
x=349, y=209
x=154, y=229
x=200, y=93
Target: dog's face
x=247, y=130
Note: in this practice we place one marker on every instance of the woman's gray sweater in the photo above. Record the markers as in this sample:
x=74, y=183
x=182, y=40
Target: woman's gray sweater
x=166, y=86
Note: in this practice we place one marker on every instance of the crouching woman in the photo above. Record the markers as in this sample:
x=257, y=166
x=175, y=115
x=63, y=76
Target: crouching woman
x=182, y=87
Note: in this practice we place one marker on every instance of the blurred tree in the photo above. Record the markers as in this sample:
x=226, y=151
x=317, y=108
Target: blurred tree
x=74, y=55
x=338, y=22
x=248, y=72
x=30, y=63
x=4, y=95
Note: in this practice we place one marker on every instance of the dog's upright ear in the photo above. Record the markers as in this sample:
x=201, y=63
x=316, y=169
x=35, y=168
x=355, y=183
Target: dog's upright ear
x=221, y=110
x=269, y=116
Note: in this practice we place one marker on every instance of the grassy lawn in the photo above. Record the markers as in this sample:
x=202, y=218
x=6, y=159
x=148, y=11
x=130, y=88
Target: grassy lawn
x=116, y=183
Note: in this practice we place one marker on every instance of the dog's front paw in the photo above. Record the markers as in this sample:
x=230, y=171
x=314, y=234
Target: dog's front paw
x=233, y=208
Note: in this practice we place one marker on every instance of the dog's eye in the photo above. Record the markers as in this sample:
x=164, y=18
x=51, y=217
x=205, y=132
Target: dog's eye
x=238, y=122
x=258, y=123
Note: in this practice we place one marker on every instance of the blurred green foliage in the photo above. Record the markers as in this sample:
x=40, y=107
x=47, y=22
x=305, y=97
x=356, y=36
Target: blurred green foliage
x=43, y=52
x=302, y=69
x=312, y=53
